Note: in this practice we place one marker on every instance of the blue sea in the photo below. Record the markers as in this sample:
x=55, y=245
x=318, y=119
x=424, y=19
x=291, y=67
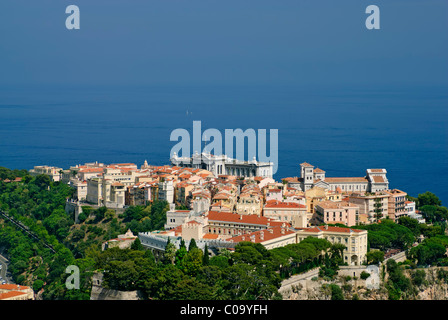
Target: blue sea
x=342, y=130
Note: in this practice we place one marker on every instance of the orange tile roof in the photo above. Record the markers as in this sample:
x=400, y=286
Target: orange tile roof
x=291, y=179
x=123, y=164
x=221, y=196
x=283, y=204
x=10, y=294
x=9, y=286
x=192, y=222
x=378, y=179
x=345, y=179
x=242, y=218
x=306, y=164
x=262, y=235
x=91, y=170
x=328, y=204
x=330, y=229
x=396, y=192
x=210, y=236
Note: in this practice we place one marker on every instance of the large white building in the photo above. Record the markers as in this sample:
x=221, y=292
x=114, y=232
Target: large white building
x=109, y=188
x=354, y=240
x=374, y=180
x=223, y=165
x=166, y=191
x=54, y=173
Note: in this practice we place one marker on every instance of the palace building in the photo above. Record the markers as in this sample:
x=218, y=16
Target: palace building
x=223, y=165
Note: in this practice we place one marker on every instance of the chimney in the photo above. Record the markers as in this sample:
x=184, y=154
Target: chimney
x=326, y=227
x=241, y=217
x=262, y=235
x=283, y=230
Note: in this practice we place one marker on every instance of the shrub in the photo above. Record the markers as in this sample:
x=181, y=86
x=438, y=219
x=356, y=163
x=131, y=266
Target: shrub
x=37, y=285
x=364, y=275
x=336, y=292
x=418, y=277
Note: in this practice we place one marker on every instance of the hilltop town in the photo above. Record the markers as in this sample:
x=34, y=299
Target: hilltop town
x=221, y=210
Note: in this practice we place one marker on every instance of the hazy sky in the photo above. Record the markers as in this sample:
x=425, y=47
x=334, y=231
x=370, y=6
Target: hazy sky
x=224, y=41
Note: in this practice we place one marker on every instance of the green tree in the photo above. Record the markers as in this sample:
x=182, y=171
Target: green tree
x=37, y=285
x=336, y=292
x=418, y=277
x=42, y=181
x=206, y=258
x=375, y=257
x=428, y=252
x=410, y=223
x=397, y=283
x=180, y=255
x=137, y=245
x=193, y=261
x=169, y=253
x=428, y=199
x=192, y=244
x=364, y=275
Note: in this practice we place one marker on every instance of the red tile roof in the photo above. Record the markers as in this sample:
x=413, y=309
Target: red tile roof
x=242, y=218
x=330, y=229
x=378, y=179
x=9, y=286
x=346, y=179
x=210, y=236
x=283, y=204
x=306, y=164
x=262, y=235
x=10, y=294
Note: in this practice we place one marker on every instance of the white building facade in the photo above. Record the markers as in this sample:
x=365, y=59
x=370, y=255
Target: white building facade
x=223, y=165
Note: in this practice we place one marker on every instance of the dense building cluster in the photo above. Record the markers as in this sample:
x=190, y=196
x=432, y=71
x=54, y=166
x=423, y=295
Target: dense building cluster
x=220, y=210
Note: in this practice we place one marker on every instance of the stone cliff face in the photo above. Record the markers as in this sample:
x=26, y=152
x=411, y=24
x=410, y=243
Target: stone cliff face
x=319, y=290
x=100, y=293
x=434, y=287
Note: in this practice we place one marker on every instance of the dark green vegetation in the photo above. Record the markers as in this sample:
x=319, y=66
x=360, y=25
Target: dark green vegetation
x=431, y=251
x=251, y=272
x=39, y=204
x=388, y=235
x=182, y=274
x=308, y=254
x=431, y=207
